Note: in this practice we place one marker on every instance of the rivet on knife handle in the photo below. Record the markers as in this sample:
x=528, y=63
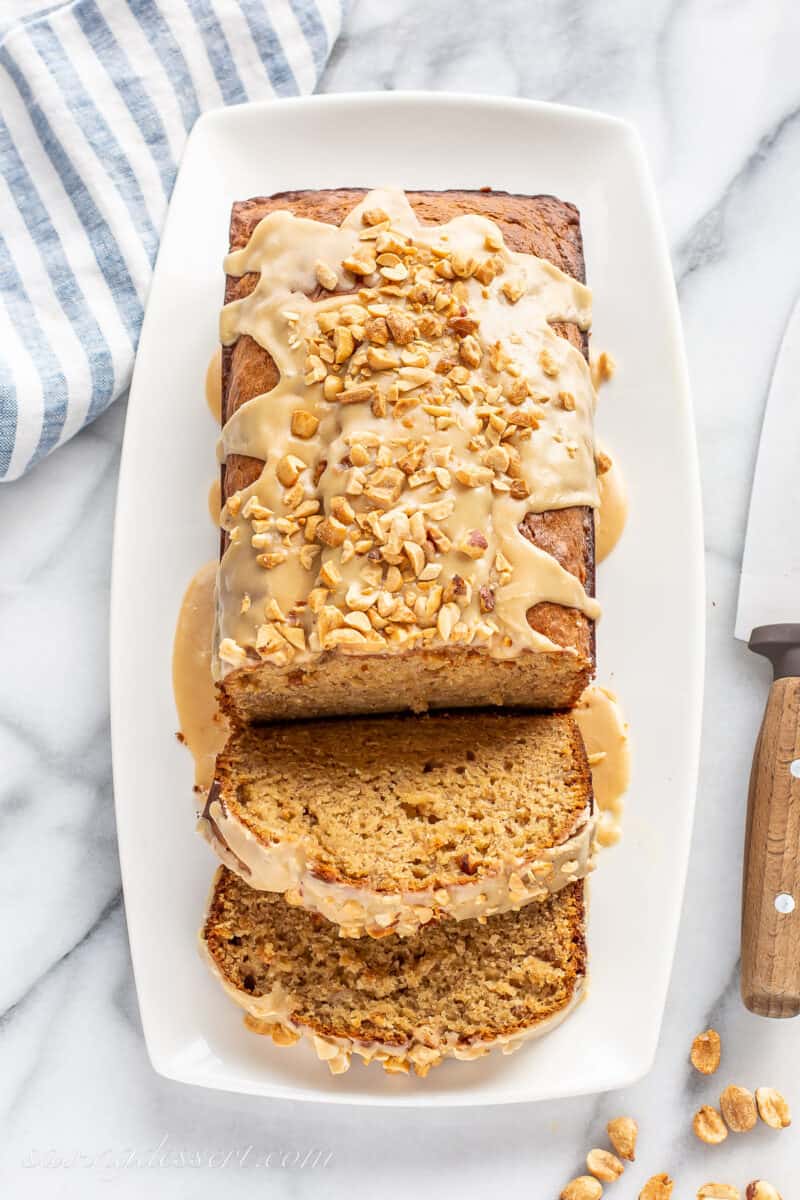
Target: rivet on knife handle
x=771, y=885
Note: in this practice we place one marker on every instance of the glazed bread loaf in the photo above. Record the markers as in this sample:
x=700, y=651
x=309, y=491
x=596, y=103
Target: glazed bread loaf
x=383, y=824
x=408, y=461
x=453, y=990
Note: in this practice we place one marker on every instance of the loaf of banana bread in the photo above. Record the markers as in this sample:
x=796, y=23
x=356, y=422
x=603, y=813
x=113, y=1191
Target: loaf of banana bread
x=408, y=460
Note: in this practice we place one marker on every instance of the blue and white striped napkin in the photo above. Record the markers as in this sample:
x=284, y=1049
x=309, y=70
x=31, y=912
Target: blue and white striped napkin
x=96, y=100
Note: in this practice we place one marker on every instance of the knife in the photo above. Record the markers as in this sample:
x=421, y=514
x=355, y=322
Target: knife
x=768, y=619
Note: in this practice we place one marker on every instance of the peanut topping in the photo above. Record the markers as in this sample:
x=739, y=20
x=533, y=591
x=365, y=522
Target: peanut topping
x=706, y=1051
x=470, y=352
x=400, y=326
x=326, y=277
x=331, y=387
x=603, y=368
x=343, y=344
x=272, y=559
x=360, y=263
x=280, y=1035
x=374, y=216
x=512, y=290
x=304, y=424
x=332, y=532
x=431, y=423
x=604, y=464
x=382, y=360
x=356, y=395
x=717, y=1191
x=289, y=468
x=547, y=363
x=315, y=370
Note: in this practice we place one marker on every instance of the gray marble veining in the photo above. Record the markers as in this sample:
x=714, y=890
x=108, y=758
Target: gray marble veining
x=713, y=86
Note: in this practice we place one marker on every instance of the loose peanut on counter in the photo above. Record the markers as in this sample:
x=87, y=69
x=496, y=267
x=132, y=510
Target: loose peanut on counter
x=759, y=1189
x=738, y=1108
x=772, y=1108
x=622, y=1133
x=706, y=1052
x=585, y=1187
x=604, y=1165
x=658, y=1187
x=718, y=1191
x=709, y=1126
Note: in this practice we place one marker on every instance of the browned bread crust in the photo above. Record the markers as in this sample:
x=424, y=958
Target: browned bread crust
x=540, y=225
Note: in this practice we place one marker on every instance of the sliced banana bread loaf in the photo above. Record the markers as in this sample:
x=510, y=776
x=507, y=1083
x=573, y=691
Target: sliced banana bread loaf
x=451, y=991
x=383, y=824
x=408, y=470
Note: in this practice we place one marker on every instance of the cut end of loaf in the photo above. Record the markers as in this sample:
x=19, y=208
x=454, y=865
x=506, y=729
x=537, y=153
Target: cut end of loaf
x=415, y=682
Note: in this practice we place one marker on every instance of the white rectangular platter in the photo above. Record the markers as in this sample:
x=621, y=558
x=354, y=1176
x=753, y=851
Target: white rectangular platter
x=650, y=639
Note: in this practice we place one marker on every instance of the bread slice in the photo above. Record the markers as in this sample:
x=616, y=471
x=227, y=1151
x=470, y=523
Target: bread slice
x=452, y=991
x=279, y=679
x=383, y=824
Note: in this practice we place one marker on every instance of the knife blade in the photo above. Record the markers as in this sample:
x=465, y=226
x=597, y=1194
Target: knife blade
x=769, y=586
x=768, y=618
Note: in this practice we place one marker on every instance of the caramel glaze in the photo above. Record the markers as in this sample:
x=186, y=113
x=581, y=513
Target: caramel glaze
x=214, y=385
x=605, y=735
x=611, y=514
x=202, y=728
x=260, y=609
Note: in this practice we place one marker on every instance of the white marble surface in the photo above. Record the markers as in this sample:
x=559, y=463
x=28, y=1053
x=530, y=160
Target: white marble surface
x=713, y=86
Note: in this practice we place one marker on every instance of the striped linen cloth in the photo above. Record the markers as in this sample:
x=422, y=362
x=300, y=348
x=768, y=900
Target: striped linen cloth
x=96, y=100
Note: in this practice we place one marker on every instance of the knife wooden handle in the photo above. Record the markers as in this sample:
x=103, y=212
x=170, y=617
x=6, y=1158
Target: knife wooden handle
x=771, y=888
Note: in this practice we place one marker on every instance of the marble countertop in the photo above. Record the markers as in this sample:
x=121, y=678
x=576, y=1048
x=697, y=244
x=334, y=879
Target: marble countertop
x=713, y=87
